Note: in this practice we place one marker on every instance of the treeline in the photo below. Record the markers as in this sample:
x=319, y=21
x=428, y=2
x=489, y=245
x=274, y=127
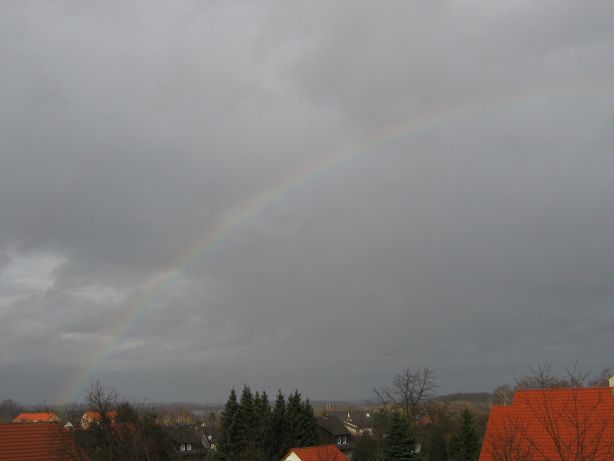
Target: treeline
x=394, y=437
x=253, y=429
x=121, y=431
x=411, y=423
x=545, y=376
x=414, y=429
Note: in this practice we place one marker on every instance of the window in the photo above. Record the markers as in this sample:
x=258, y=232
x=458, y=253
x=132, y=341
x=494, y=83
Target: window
x=338, y=440
x=188, y=446
x=182, y=447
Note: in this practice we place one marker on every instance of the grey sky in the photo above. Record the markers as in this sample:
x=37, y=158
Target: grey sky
x=477, y=245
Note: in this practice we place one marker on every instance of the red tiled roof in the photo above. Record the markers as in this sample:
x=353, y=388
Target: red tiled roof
x=36, y=442
x=95, y=415
x=36, y=418
x=317, y=453
x=549, y=424
x=90, y=416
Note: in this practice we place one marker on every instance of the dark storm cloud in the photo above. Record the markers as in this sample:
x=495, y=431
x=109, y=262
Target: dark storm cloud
x=475, y=245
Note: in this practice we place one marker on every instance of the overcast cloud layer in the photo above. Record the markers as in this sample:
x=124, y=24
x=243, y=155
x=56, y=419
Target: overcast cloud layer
x=477, y=245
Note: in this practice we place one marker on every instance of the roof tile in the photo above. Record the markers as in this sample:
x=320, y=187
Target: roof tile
x=317, y=453
x=36, y=418
x=543, y=424
x=40, y=442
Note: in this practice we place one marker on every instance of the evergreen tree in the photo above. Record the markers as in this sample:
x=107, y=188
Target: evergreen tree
x=294, y=417
x=309, y=425
x=262, y=412
x=400, y=443
x=278, y=429
x=229, y=442
x=302, y=424
x=464, y=445
x=250, y=430
x=246, y=425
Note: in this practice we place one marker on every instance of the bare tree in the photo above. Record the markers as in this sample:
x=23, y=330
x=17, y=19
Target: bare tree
x=441, y=412
x=541, y=376
x=383, y=399
x=8, y=410
x=603, y=380
x=120, y=430
x=409, y=390
x=71, y=414
x=503, y=395
x=544, y=376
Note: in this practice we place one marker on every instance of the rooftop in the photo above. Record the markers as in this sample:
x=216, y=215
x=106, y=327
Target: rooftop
x=36, y=442
x=569, y=423
x=36, y=418
x=316, y=453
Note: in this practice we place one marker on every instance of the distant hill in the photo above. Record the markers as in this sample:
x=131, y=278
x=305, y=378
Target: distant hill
x=476, y=397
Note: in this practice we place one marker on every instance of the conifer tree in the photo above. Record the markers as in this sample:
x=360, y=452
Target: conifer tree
x=265, y=410
x=262, y=412
x=464, y=445
x=400, y=443
x=294, y=417
x=250, y=430
x=302, y=425
x=278, y=429
x=229, y=434
x=309, y=425
x=246, y=425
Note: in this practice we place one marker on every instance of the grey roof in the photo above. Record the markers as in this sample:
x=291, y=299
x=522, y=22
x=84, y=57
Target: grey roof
x=182, y=434
x=357, y=417
x=333, y=425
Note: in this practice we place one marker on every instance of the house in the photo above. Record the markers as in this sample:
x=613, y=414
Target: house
x=207, y=436
x=317, y=453
x=545, y=424
x=185, y=442
x=36, y=418
x=358, y=422
x=40, y=442
x=90, y=417
x=332, y=430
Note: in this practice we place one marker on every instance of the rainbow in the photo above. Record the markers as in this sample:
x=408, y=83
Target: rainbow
x=243, y=211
